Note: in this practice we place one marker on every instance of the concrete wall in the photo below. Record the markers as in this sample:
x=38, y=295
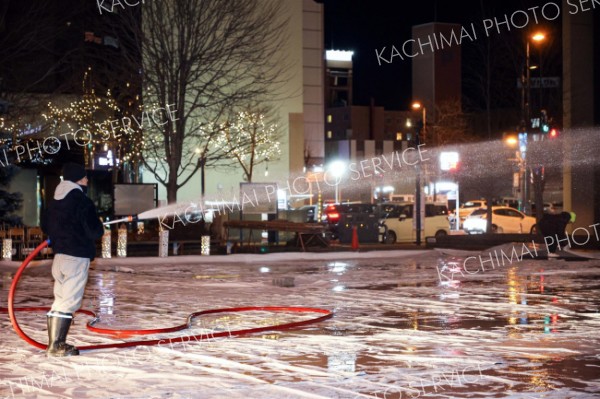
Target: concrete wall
x=313, y=78
x=578, y=112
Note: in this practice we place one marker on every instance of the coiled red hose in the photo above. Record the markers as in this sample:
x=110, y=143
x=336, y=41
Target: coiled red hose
x=125, y=333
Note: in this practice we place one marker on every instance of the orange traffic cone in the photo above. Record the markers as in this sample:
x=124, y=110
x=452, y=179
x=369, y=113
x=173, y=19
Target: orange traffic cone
x=354, y=238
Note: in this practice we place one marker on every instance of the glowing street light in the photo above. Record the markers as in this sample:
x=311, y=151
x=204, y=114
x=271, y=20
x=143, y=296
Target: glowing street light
x=337, y=170
x=511, y=141
x=538, y=37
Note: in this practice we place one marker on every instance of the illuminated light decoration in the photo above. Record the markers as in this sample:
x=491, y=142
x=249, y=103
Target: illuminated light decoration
x=140, y=228
x=122, y=242
x=553, y=133
x=249, y=139
x=205, y=245
x=91, y=112
x=106, y=245
x=7, y=248
x=94, y=114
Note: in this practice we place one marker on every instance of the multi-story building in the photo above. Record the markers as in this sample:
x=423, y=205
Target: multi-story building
x=300, y=112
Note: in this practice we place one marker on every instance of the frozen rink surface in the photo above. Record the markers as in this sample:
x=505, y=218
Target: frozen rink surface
x=405, y=326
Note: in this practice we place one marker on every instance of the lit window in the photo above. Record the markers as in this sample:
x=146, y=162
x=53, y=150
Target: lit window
x=329, y=118
x=329, y=134
x=408, y=122
x=398, y=136
x=408, y=136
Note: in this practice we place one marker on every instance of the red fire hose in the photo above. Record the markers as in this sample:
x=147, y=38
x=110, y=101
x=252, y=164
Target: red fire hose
x=125, y=333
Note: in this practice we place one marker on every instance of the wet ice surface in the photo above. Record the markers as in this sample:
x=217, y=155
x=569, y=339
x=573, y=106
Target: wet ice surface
x=527, y=330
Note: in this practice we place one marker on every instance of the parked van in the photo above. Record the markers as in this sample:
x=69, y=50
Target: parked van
x=397, y=222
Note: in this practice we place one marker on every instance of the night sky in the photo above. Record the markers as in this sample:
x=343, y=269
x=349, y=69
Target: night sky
x=363, y=26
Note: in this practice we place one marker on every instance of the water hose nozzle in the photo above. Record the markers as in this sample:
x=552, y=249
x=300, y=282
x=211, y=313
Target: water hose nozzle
x=127, y=219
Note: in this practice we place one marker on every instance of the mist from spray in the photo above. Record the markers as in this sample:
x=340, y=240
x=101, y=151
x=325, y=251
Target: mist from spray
x=489, y=160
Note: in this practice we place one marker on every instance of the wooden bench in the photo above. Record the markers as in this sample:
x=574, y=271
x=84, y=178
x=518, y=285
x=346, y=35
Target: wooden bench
x=305, y=232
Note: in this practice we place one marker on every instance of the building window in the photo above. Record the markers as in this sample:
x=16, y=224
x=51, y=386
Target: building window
x=398, y=136
x=408, y=122
x=329, y=118
x=408, y=136
x=329, y=134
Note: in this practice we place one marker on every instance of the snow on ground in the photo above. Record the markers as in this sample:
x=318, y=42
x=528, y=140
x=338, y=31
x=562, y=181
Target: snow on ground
x=524, y=330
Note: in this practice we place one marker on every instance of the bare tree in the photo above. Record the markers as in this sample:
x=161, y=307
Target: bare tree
x=451, y=124
x=491, y=66
x=207, y=57
x=250, y=140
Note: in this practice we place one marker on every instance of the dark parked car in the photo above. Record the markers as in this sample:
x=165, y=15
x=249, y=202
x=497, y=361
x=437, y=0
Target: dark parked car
x=341, y=218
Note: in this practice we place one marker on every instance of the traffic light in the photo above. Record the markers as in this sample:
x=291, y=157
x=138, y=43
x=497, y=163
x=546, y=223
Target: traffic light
x=553, y=133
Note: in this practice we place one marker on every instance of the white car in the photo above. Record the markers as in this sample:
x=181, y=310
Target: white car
x=397, y=225
x=465, y=210
x=504, y=220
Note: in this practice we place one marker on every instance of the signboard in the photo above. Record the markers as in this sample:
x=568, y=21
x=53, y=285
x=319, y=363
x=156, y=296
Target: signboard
x=258, y=198
x=448, y=160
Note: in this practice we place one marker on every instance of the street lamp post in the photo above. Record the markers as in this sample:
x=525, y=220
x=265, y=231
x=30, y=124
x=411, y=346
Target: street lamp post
x=537, y=37
x=417, y=213
x=201, y=163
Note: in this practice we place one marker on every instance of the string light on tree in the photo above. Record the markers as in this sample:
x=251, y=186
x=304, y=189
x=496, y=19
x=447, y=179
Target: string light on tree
x=251, y=140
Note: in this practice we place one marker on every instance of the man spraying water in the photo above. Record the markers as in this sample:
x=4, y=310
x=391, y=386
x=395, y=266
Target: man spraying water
x=72, y=224
x=553, y=228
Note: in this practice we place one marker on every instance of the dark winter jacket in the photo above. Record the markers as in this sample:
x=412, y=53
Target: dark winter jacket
x=71, y=222
x=551, y=224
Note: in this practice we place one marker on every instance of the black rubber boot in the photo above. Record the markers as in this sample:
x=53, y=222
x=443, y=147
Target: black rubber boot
x=58, y=328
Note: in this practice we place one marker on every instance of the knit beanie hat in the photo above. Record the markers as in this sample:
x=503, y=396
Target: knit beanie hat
x=73, y=172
